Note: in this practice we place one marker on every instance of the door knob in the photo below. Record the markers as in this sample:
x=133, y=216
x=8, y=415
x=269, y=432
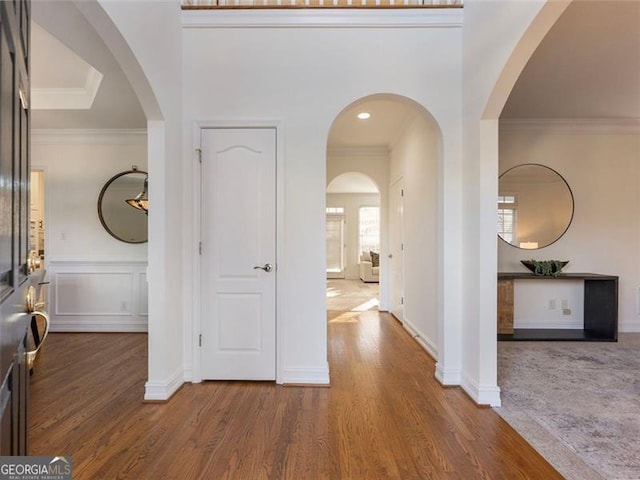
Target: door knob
x=390, y=256
x=267, y=267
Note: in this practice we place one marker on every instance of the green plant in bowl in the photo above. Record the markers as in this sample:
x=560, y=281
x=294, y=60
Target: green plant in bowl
x=545, y=268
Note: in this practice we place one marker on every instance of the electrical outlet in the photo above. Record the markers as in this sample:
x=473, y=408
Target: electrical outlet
x=566, y=311
x=552, y=304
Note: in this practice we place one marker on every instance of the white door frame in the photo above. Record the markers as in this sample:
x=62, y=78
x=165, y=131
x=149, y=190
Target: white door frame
x=196, y=282
x=400, y=261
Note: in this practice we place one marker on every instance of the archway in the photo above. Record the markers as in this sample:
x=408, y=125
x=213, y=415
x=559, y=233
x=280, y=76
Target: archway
x=398, y=145
x=483, y=104
x=353, y=224
x=158, y=87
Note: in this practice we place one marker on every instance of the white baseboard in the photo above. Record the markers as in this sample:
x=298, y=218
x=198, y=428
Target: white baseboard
x=430, y=347
x=569, y=324
x=162, y=391
x=188, y=374
x=448, y=376
x=629, y=327
x=305, y=376
x=481, y=394
x=93, y=326
x=335, y=276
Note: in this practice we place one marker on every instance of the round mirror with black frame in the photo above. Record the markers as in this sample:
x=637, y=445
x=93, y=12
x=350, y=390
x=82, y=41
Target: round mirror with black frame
x=535, y=206
x=119, y=207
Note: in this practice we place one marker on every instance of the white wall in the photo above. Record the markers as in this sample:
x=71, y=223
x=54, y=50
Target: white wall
x=602, y=170
x=415, y=159
x=151, y=58
x=241, y=66
x=304, y=77
x=492, y=60
x=351, y=202
x=97, y=282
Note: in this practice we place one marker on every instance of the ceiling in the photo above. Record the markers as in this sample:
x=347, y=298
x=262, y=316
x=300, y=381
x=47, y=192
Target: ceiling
x=352, y=182
x=388, y=120
x=588, y=66
x=76, y=81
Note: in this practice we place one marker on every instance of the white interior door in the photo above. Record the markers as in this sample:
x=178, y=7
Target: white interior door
x=238, y=259
x=396, y=249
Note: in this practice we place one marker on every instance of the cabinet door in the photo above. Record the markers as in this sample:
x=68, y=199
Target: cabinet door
x=505, y=307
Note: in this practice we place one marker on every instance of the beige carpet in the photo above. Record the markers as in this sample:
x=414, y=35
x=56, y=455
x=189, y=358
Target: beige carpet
x=577, y=403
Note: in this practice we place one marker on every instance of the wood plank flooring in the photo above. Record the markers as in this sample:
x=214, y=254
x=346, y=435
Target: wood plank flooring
x=384, y=417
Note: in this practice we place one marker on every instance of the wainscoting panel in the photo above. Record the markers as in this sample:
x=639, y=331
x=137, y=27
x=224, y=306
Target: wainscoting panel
x=98, y=295
x=144, y=295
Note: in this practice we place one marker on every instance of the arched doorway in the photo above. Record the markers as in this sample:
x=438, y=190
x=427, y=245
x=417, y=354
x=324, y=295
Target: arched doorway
x=398, y=145
x=159, y=91
x=353, y=224
x=353, y=244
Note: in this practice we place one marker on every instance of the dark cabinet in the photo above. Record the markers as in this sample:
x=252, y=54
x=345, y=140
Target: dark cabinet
x=600, y=309
x=14, y=222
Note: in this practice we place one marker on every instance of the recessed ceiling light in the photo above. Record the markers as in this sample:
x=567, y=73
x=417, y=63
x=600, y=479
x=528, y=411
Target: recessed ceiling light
x=364, y=115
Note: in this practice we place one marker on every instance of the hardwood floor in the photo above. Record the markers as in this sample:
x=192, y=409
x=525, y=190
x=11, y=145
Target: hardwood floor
x=384, y=417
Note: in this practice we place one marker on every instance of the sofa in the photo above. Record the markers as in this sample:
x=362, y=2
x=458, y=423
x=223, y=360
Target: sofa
x=370, y=267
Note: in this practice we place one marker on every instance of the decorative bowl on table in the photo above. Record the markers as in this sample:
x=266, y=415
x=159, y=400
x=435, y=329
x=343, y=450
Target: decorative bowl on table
x=545, y=268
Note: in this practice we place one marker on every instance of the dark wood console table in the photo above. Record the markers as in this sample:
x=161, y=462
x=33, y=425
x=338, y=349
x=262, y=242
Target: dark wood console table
x=600, y=309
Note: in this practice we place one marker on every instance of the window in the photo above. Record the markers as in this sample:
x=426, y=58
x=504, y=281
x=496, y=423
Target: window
x=335, y=239
x=507, y=208
x=335, y=210
x=369, y=228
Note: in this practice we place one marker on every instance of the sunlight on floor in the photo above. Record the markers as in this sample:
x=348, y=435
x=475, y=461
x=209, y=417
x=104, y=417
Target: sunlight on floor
x=368, y=305
x=347, y=300
x=346, y=317
x=333, y=292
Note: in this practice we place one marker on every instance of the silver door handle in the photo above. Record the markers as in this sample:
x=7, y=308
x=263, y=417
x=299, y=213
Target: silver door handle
x=390, y=256
x=267, y=267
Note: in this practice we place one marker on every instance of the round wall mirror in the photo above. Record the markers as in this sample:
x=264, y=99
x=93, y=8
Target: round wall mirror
x=535, y=206
x=118, y=217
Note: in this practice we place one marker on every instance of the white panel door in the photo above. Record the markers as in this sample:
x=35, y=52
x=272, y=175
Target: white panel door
x=396, y=249
x=238, y=259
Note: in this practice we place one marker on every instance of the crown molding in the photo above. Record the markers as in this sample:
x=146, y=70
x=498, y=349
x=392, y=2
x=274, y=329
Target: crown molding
x=76, y=98
x=88, y=136
x=358, y=152
x=324, y=18
x=573, y=125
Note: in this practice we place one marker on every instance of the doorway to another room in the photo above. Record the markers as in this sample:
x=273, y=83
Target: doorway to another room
x=353, y=245
x=37, y=219
x=393, y=143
